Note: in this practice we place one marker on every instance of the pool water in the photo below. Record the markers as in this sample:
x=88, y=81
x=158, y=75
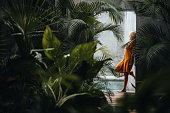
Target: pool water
x=110, y=84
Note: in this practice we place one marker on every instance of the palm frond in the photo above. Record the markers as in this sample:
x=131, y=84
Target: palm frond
x=75, y=27
x=150, y=44
x=62, y=7
x=113, y=28
x=83, y=10
x=150, y=8
x=107, y=68
x=7, y=43
x=115, y=3
x=113, y=11
x=157, y=53
x=26, y=17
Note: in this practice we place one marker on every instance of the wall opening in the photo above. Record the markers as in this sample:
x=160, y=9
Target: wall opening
x=114, y=47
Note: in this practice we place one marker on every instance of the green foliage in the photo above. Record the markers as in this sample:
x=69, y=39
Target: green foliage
x=83, y=26
x=62, y=7
x=55, y=83
x=65, y=85
x=152, y=94
x=85, y=11
x=76, y=26
x=26, y=18
x=152, y=56
x=53, y=87
x=151, y=8
x=52, y=46
x=60, y=85
x=81, y=53
x=88, y=12
x=151, y=46
x=113, y=28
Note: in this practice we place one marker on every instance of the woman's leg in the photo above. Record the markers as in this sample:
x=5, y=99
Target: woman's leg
x=132, y=74
x=125, y=82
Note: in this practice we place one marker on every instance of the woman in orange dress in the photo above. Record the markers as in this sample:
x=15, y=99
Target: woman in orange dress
x=126, y=64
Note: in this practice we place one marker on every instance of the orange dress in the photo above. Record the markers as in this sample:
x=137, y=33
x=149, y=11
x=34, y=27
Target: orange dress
x=126, y=64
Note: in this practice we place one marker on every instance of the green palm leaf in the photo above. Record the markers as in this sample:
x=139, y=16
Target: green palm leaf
x=150, y=45
x=83, y=26
x=75, y=27
x=157, y=52
x=150, y=8
x=113, y=28
x=62, y=7
x=25, y=17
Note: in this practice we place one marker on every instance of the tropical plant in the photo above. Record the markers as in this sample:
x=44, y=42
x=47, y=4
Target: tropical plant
x=152, y=57
x=66, y=84
x=81, y=24
x=152, y=94
x=25, y=19
x=152, y=8
x=152, y=47
x=23, y=22
x=69, y=76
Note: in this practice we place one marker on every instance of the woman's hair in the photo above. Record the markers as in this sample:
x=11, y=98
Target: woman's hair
x=133, y=35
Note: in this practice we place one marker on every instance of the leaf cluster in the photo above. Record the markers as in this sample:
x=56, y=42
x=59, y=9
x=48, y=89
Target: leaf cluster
x=152, y=47
x=56, y=75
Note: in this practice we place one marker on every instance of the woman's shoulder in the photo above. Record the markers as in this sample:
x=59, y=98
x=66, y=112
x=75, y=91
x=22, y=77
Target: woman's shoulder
x=132, y=43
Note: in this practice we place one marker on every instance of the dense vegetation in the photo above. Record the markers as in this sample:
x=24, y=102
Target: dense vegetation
x=47, y=50
x=46, y=57
x=152, y=59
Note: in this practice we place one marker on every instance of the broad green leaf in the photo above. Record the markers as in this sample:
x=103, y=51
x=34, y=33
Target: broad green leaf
x=64, y=99
x=51, y=42
x=81, y=53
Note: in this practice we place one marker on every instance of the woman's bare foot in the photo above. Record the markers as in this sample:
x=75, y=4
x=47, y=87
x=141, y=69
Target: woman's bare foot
x=122, y=91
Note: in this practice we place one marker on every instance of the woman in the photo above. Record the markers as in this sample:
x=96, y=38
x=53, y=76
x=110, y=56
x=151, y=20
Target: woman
x=126, y=64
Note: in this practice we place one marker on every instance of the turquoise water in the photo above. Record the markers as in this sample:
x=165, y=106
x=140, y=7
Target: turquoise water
x=111, y=85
